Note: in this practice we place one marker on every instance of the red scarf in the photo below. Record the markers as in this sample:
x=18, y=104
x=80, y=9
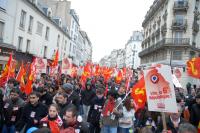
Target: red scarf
x=108, y=108
x=54, y=125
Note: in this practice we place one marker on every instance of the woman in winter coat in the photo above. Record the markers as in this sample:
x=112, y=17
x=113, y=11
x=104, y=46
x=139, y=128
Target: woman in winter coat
x=127, y=121
x=52, y=120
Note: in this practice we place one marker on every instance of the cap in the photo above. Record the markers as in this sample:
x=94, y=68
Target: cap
x=67, y=86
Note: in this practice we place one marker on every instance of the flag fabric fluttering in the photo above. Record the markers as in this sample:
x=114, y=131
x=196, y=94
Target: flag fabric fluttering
x=55, y=59
x=107, y=72
x=193, y=67
x=54, y=64
x=7, y=72
x=31, y=78
x=86, y=73
x=20, y=77
x=138, y=93
x=119, y=77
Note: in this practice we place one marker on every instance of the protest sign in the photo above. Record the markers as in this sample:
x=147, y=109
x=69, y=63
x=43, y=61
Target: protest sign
x=160, y=89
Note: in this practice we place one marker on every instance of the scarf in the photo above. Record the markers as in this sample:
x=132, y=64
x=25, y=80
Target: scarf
x=54, y=123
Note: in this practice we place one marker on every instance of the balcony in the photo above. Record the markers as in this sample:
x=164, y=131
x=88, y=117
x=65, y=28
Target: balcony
x=157, y=32
x=166, y=42
x=179, y=24
x=181, y=6
x=164, y=29
x=195, y=27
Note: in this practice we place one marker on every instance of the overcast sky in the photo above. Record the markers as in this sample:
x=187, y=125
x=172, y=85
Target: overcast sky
x=110, y=23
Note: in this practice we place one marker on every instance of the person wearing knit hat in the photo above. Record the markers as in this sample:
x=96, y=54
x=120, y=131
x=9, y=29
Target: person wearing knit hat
x=73, y=97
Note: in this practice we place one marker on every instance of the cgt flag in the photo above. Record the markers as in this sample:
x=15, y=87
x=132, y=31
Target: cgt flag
x=138, y=93
x=55, y=59
x=20, y=77
x=119, y=77
x=193, y=67
x=31, y=77
x=7, y=72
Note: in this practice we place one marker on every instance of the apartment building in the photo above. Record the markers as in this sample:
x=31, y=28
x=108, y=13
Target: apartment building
x=171, y=34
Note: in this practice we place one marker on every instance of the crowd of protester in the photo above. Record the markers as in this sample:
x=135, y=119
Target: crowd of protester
x=61, y=104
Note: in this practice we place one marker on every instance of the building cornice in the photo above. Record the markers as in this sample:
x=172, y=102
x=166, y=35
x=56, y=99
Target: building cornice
x=153, y=10
x=34, y=7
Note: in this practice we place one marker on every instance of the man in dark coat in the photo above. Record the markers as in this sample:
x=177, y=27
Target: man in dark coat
x=32, y=113
x=86, y=96
x=73, y=97
x=195, y=112
x=95, y=111
x=12, y=111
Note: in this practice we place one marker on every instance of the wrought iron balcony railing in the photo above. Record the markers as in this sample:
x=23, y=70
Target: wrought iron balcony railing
x=166, y=42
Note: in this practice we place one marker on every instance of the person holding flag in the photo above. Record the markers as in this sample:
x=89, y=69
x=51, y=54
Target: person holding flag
x=111, y=113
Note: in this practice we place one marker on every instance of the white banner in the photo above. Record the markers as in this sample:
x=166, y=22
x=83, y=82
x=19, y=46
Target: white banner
x=41, y=66
x=160, y=89
x=66, y=66
x=53, y=70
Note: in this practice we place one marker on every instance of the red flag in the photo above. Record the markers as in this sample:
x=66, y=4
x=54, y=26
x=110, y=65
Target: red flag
x=193, y=67
x=6, y=72
x=55, y=59
x=86, y=73
x=124, y=72
x=107, y=72
x=139, y=94
x=12, y=70
x=31, y=77
x=106, y=91
x=97, y=70
x=54, y=64
x=20, y=77
x=119, y=77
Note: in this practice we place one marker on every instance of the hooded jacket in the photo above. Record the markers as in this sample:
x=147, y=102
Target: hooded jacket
x=87, y=95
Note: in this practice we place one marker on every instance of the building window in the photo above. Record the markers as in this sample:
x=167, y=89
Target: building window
x=74, y=49
x=75, y=37
x=20, y=43
x=47, y=33
x=65, y=47
x=178, y=37
x=30, y=26
x=45, y=51
x=58, y=40
x=179, y=19
x=177, y=55
x=22, y=19
x=70, y=47
x=1, y=31
x=28, y=46
x=39, y=28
